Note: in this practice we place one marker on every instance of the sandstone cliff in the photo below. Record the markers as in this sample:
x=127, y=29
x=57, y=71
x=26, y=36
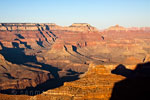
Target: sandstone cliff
x=45, y=26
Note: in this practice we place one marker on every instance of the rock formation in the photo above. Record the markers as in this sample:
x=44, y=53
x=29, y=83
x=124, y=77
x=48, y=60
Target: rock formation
x=116, y=28
x=45, y=26
x=96, y=84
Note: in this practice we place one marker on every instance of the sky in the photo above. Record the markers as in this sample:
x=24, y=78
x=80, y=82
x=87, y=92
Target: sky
x=99, y=13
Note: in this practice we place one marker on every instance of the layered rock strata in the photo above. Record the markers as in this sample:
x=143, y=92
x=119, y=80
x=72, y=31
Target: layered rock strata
x=31, y=53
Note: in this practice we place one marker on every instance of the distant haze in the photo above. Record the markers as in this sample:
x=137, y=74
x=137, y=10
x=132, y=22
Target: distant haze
x=98, y=13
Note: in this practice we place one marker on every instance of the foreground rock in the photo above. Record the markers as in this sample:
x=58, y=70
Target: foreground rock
x=100, y=83
x=96, y=84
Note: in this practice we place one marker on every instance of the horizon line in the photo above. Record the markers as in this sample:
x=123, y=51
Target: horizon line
x=71, y=24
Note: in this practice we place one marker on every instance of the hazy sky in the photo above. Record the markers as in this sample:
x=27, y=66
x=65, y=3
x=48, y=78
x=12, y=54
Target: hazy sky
x=99, y=13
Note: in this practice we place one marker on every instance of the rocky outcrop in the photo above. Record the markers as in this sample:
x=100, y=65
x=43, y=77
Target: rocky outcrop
x=82, y=27
x=101, y=83
x=97, y=83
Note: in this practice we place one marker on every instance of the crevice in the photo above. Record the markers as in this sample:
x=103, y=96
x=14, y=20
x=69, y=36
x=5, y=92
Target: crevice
x=43, y=35
x=40, y=42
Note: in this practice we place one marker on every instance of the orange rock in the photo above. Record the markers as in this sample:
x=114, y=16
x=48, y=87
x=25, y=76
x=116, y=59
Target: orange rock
x=117, y=28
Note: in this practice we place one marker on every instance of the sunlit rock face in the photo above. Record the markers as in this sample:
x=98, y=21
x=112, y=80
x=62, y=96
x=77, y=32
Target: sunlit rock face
x=46, y=26
x=101, y=83
x=96, y=84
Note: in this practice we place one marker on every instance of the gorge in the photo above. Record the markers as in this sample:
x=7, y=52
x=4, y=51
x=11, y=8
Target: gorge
x=45, y=61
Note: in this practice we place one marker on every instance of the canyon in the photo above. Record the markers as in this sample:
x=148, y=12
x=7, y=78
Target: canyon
x=45, y=61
